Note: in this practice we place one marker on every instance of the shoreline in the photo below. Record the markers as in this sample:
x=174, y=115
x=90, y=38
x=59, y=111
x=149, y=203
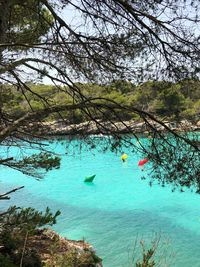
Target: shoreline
x=54, y=249
x=59, y=127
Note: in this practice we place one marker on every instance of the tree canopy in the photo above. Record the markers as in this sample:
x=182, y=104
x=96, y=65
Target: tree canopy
x=166, y=100
x=106, y=42
x=96, y=59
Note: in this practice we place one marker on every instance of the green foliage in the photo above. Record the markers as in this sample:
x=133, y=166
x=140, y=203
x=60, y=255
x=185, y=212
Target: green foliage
x=171, y=159
x=190, y=88
x=122, y=86
x=146, y=93
x=6, y=261
x=147, y=260
x=16, y=225
x=75, y=259
x=32, y=165
x=28, y=218
x=165, y=99
x=30, y=258
x=28, y=22
x=189, y=114
x=170, y=102
x=44, y=91
x=43, y=160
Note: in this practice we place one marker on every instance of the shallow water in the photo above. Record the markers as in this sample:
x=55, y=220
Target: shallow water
x=114, y=211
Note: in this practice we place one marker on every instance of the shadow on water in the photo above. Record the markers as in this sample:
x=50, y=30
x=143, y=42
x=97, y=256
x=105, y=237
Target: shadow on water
x=113, y=233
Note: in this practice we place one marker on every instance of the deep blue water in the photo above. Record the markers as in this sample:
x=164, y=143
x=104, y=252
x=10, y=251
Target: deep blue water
x=114, y=211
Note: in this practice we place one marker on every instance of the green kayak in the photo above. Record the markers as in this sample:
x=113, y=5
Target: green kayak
x=89, y=178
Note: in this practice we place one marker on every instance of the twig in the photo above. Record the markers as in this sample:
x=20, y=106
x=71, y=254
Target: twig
x=4, y=196
x=23, y=251
x=5, y=160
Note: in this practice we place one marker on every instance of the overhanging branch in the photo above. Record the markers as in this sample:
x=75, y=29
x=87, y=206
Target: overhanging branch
x=5, y=195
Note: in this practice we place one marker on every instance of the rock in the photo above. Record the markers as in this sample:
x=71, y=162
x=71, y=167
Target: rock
x=105, y=127
x=51, y=248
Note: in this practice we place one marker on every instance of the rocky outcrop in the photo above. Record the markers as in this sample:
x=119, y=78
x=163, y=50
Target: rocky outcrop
x=54, y=250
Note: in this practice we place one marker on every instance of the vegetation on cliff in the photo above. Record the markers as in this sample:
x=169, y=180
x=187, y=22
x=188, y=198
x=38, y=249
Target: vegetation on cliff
x=25, y=242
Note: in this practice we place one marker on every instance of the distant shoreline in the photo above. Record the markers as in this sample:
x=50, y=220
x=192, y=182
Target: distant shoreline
x=60, y=127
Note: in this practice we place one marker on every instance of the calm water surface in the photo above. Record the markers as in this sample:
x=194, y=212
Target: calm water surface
x=114, y=211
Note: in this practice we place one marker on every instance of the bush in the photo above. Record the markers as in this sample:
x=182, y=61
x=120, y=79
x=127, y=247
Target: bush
x=74, y=259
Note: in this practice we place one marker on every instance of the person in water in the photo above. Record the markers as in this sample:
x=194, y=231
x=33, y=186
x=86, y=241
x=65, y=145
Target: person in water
x=124, y=157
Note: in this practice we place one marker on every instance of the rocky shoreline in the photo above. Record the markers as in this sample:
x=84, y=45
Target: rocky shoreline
x=60, y=127
x=54, y=249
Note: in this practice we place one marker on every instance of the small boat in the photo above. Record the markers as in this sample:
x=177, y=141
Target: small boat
x=90, y=178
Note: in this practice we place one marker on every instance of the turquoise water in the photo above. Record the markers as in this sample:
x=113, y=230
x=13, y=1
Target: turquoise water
x=114, y=211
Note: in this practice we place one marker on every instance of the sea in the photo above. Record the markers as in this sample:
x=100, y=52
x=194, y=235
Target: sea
x=119, y=213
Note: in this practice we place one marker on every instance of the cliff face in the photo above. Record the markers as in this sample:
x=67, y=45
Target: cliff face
x=54, y=250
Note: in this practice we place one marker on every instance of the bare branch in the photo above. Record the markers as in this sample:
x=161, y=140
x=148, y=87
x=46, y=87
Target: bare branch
x=5, y=195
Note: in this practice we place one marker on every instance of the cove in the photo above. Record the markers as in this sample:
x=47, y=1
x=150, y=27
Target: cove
x=114, y=210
